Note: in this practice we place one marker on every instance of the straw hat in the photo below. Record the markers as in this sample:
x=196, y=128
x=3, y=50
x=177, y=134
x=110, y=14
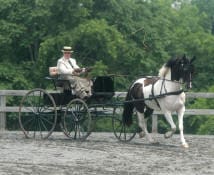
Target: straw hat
x=67, y=49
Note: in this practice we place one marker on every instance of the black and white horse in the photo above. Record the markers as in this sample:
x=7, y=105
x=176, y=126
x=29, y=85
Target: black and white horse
x=163, y=92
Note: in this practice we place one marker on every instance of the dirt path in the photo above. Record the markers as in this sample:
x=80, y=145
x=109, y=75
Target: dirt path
x=102, y=154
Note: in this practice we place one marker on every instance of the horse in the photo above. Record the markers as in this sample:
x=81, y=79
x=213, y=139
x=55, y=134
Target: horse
x=164, y=92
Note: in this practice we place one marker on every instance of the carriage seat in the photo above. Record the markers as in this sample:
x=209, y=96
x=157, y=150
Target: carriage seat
x=59, y=84
x=53, y=71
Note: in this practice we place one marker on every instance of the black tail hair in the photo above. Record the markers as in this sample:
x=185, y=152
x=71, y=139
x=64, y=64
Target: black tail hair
x=128, y=109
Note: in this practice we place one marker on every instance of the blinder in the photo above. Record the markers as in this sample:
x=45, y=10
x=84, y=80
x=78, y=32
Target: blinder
x=187, y=70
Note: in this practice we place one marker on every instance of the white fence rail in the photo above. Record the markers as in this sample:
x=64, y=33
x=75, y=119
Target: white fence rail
x=188, y=112
x=6, y=93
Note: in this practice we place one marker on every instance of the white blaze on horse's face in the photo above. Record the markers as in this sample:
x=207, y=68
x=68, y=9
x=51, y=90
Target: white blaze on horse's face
x=185, y=70
x=190, y=82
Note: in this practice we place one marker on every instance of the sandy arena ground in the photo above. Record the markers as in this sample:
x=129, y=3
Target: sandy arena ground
x=102, y=154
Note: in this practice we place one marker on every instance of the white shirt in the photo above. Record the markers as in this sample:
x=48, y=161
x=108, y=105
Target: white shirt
x=66, y=66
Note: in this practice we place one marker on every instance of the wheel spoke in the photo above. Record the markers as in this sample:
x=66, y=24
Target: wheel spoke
x=77, y=120
x=121, y=131
x=37, y=114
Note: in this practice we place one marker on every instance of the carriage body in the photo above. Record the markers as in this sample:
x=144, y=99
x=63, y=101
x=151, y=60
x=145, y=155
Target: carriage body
x=102, y=91
x=41, y=111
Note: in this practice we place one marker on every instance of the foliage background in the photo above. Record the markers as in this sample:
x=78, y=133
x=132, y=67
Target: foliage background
x=122, y=37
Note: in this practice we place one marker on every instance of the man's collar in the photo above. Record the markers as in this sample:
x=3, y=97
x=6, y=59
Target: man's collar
x=64, y=59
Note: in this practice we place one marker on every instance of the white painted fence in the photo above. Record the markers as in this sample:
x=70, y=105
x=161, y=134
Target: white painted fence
x=6, y=93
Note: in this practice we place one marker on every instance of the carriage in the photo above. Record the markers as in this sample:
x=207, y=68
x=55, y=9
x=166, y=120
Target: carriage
x=42, y=112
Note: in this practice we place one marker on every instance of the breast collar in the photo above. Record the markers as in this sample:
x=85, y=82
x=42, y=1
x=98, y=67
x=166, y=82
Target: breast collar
x=161, y=95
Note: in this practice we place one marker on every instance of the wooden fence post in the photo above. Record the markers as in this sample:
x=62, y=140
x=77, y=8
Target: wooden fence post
x=2, y=114
x=154, y=123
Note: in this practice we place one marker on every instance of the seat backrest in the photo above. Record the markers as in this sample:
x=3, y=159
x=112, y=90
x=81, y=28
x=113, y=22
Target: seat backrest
x=103, y=84
x=58, y=83
x=53, y=71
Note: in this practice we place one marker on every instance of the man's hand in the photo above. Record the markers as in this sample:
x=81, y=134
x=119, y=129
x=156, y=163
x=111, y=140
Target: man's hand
x=78, y=70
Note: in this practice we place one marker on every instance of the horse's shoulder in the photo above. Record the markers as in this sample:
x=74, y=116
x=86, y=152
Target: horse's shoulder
x=150, y=80
x=140, y=81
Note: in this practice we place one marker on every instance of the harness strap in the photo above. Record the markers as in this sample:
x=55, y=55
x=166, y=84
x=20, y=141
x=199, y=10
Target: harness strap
x=153, y=95
x=163, y=85
x=173, y=93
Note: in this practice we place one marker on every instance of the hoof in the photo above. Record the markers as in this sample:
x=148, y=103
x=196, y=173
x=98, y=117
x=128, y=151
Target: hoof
x=169, y=133
x=142, y=134
x=185, y=145
x=155, y=143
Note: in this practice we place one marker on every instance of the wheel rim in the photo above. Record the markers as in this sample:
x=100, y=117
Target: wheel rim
x=37, y=114
x=76, y=122
x=121, y=131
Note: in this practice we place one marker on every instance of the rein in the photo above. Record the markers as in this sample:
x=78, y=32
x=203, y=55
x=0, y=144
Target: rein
x=174, y=81
x=156, y=96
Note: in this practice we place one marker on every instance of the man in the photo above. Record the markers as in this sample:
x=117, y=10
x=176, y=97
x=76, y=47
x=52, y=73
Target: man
x=69, y=70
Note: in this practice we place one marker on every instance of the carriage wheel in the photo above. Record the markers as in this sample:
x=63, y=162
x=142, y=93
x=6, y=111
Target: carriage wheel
x=76, y=122
x=37, y=114
x=121, y=131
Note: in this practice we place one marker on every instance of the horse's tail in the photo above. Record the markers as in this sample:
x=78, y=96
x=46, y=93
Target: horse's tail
x=128, y=109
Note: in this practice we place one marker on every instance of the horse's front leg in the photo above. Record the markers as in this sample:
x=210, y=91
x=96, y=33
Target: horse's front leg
x=169, y=119
x=143, y=125
x=181, y=128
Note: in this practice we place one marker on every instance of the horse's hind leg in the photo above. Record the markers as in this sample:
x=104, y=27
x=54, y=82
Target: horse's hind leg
x=142, y=124
x=142, y=132
x=147, y=114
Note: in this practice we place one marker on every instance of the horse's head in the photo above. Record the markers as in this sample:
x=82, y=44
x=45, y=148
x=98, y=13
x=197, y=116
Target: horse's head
x=187, y=70
x=182, y=70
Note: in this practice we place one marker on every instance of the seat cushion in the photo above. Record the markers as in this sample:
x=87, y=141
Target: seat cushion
x=53, y=71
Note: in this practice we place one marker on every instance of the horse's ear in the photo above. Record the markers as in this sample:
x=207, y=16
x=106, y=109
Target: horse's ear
x=193, y=59
x=184, y=56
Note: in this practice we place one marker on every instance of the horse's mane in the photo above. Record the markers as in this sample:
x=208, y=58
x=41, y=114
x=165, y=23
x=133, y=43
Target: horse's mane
x=165, y=70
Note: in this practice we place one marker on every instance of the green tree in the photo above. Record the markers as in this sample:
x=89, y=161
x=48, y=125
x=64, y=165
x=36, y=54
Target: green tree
x=206, y=9
x=12, y=77
x=28, y=23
